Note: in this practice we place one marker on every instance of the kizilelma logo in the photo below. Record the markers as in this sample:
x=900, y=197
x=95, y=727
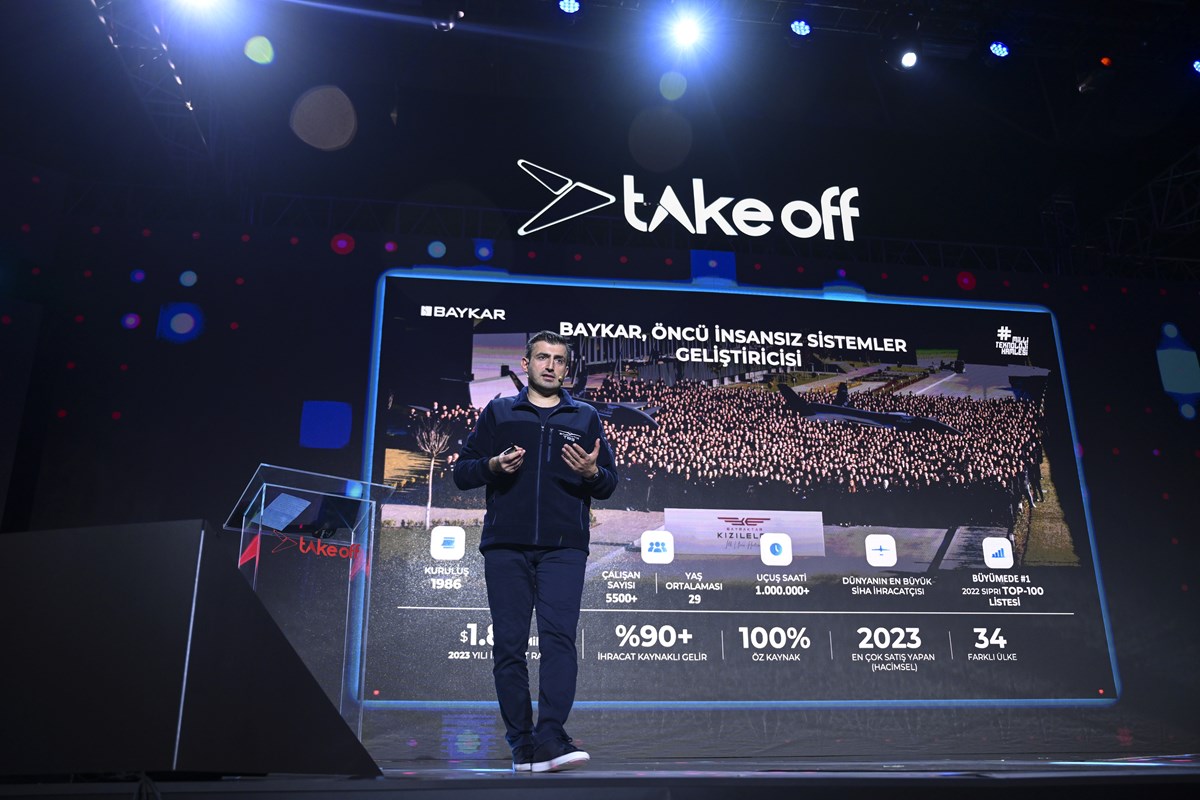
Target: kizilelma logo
x=748, y=216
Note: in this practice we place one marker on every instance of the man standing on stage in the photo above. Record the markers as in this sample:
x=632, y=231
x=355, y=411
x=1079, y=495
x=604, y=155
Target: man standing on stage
x=542, y=457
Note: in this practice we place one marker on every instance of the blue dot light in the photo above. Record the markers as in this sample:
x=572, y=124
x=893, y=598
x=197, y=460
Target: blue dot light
x=180, y=323
x=436, y=249
x=130, y=321
x=998, y=49
x=188, y=278
x=138, y=275
x=800, y=27
x=568, y=6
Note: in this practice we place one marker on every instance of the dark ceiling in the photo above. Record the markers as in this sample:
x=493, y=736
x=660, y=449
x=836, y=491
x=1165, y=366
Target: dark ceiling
x=958, y=150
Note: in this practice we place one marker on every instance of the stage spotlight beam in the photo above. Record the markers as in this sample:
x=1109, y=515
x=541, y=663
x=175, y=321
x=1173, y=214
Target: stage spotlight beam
x=902, y=56
x=686, y=31
x=901, y=45
x=199, y=6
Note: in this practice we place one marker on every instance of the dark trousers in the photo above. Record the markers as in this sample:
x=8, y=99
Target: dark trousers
x=520, y=581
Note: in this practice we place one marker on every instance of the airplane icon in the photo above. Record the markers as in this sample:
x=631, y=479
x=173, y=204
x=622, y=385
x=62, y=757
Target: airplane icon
x=827, y=412
x=880, y=550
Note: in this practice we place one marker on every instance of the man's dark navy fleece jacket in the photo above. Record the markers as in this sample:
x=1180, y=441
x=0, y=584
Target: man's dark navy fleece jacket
x=545, y=504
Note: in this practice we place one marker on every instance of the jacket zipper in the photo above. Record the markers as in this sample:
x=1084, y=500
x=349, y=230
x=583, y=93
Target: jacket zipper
x=537, y=493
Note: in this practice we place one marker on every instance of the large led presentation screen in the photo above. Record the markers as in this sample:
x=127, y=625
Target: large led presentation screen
x=824, y=499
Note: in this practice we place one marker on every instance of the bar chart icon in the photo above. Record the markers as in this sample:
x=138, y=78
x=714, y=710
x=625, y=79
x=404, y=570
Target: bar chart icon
x=997, y=552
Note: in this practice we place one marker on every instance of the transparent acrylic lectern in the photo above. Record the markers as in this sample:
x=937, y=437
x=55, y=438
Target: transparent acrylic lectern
x=305, y=548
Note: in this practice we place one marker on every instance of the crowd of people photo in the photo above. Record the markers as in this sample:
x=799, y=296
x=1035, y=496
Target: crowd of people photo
x=742, y=447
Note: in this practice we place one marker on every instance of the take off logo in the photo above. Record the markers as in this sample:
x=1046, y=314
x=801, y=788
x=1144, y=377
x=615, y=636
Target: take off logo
x=748, y=216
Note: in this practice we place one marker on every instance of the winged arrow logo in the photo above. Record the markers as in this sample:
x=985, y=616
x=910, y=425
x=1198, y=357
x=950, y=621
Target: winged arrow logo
x=571, y=198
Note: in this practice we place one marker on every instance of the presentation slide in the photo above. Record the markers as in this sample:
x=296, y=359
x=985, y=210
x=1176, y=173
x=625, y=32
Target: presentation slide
x=823, y=499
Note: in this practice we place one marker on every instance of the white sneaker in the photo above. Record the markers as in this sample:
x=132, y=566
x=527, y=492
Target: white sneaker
x=556, y=756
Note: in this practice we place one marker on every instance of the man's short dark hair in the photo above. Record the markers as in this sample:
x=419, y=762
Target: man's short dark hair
x=549, y=337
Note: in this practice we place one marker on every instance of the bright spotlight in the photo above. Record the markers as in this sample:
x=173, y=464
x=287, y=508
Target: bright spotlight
x=444, y=14
x=998, y=49
x=568, y=6
x=448, y=23
x=901, y=43
x=686, y=31
x=800, y=27
x=199, y=12
x=199, y=6
x=902, y=57
x=1196, y=65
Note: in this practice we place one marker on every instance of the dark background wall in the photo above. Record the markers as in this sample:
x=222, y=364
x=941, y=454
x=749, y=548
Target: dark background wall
x=100, y=424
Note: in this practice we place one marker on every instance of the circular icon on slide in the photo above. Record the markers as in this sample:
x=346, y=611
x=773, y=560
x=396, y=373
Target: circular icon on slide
x=775, y=549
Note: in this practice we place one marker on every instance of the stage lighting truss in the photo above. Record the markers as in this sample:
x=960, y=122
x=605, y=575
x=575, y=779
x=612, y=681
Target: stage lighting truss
x=140, y=38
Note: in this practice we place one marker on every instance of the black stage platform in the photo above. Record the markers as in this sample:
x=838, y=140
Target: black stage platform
x=1169, y=776
x=104, y=719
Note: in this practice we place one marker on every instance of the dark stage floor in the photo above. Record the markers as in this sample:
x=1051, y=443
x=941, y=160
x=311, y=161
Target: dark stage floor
x=1168, y=776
